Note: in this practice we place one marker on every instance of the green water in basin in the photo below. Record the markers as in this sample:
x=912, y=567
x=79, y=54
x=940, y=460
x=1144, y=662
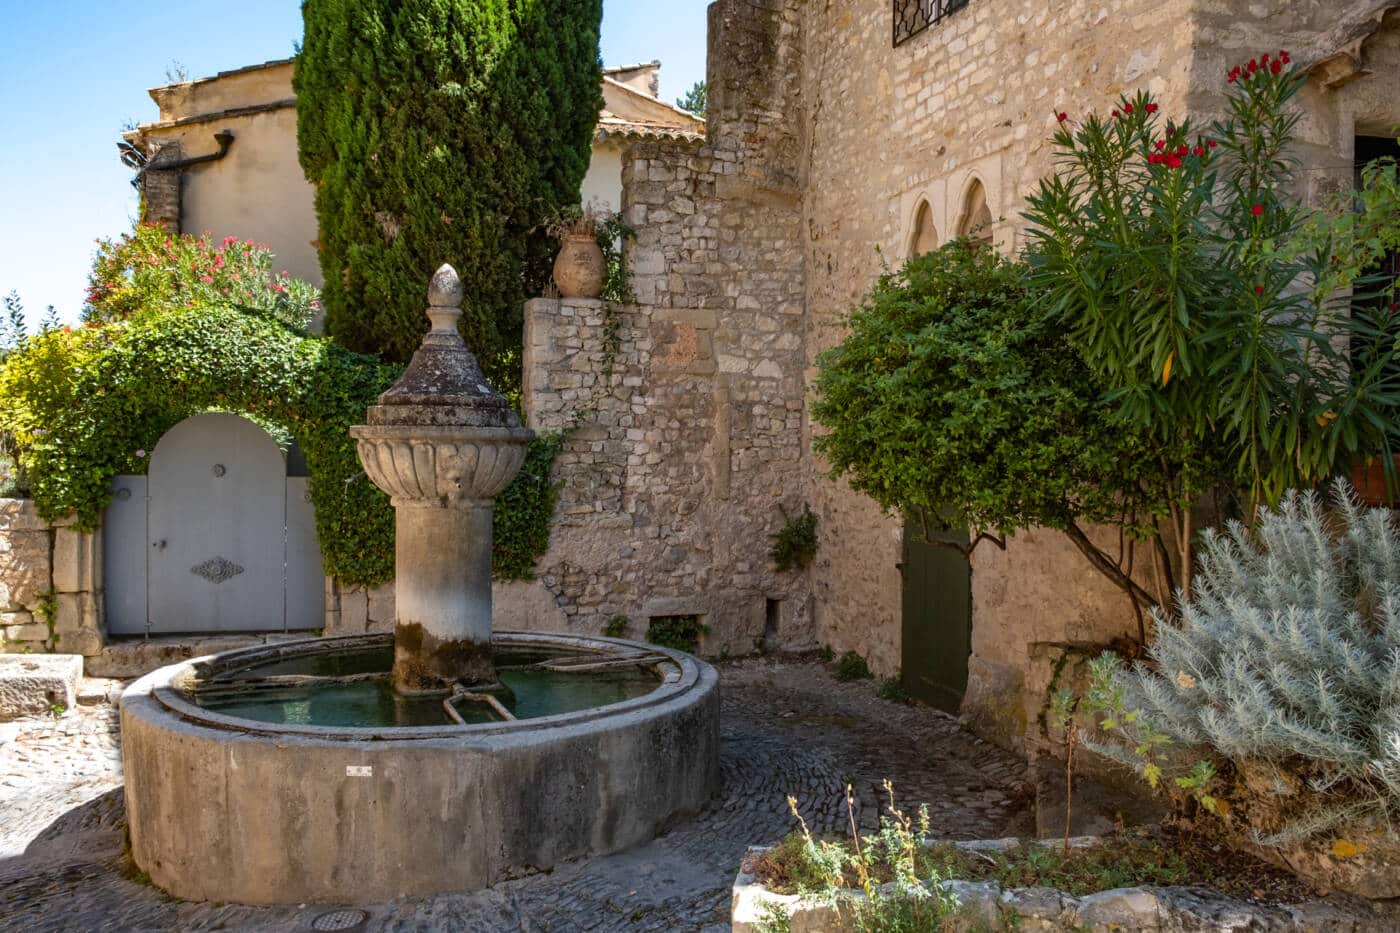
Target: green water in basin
x=375, y=704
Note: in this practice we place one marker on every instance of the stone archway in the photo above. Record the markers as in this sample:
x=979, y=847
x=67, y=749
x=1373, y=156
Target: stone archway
x=216, y=537
x=924, y=237
x=976, y=220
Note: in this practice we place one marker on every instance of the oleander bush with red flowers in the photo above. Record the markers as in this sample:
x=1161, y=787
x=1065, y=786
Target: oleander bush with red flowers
x=153, y=270
x=1209, y=303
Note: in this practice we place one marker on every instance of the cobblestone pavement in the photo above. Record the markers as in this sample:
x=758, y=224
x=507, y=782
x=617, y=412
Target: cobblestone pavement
x=788, y=728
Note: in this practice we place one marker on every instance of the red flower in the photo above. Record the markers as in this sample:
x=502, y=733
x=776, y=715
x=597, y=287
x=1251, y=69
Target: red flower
x=1062, y=116
x=1264, y=59
x=1284, y=57
x=1199, y=151
x=1394, y=306
x=1159, y=143
x=1211, y=143
x=1182, y=149
x=206, y=279
x=1258, y=289
x=1231, y=78
x=1174, y=161
x=1276, y=67
x=1257, y=209
x=1154, y=159
x=1127, y=108
x=1115, y=114
x=1252, y=67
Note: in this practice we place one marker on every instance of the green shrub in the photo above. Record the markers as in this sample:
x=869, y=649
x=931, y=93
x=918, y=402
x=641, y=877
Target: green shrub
x=1286, y=663
x=680, y=633
x=1180, y=269
x=87, y=404
x=443, y=131
x=795, y=544
x=153, y=270
x=955, y=400
x=616, y=627
x=851, y=666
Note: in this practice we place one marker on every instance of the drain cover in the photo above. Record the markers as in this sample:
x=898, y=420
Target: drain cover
x=339, y=920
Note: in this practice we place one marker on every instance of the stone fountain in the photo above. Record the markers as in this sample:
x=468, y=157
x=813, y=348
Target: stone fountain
x=442, y=443
x=446, y=758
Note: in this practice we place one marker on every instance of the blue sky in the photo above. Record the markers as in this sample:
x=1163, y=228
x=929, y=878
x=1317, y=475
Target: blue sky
x=74, y=72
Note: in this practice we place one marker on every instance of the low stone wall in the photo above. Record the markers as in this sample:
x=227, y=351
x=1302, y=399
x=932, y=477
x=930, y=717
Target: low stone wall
x=50, y=583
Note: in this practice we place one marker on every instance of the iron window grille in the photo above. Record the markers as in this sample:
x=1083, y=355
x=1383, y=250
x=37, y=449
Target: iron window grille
x=912, y=17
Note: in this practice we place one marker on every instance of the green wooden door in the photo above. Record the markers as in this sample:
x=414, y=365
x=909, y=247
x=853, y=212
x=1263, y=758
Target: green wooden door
x=937, y=624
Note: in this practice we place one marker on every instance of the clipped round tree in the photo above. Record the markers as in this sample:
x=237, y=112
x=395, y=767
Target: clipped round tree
x=954, y=401
x=442, y=131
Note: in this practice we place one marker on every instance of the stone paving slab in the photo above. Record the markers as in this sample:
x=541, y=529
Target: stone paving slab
x=787, y=727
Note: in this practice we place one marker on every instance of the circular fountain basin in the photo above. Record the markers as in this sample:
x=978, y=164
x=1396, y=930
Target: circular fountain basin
x=251, y=780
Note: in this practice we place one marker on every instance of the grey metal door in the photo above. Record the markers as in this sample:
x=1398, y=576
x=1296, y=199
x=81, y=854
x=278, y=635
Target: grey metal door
x=216, y=528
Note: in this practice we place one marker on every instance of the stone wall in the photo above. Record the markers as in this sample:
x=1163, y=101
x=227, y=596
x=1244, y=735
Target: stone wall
x=50, y=584
x=682, y=413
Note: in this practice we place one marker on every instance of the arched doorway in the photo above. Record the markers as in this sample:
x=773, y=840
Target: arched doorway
x=216, y=537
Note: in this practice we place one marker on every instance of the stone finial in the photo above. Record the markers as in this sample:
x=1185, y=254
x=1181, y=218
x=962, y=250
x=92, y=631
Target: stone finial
x=443, y=384
x=445, y=288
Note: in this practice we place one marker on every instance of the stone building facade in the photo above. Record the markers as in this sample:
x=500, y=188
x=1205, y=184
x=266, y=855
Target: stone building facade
x=965, y=110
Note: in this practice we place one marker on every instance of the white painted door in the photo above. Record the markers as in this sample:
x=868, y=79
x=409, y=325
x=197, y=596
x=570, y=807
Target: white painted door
x=216, y=530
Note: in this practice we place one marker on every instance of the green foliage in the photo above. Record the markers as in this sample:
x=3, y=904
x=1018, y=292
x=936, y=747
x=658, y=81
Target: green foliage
x=613, y=233
x=616, y=627
x=524, y=512
x=795, y=544
x=826, y=654
x=88, y=404
x=827, y=870
x=695, y=99
x=153, y=270
x=956, y=400
x=851, y=666
x=1120, y=862
x=443, y=131
x=1286, y=663
x=680, y=633
x=892, y=689
x=1174, y=261
x=14, y=484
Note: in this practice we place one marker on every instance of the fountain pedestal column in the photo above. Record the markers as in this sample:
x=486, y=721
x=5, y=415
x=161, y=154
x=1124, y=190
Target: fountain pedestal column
x=442, y=443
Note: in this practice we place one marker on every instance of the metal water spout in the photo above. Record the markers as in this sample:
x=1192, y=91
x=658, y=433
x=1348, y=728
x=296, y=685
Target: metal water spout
x=442, y=443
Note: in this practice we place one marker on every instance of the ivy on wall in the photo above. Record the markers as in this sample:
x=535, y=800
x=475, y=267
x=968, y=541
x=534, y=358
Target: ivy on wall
x=88, y=404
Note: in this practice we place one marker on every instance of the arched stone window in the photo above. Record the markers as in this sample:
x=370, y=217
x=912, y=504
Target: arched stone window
x=976, y=219
x=924, y=238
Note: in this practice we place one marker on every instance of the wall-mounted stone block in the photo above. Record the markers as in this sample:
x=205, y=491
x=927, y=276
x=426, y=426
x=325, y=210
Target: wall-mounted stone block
x=77, y=561
x=78, y=623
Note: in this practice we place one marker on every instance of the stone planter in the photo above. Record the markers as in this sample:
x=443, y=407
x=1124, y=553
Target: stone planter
x=579, y=269
x=986, y=905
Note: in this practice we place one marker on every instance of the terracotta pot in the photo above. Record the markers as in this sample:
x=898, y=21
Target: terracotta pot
x=579, y=270
x=1369, y=481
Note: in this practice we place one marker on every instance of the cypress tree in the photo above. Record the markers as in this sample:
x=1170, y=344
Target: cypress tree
x=443, y=131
